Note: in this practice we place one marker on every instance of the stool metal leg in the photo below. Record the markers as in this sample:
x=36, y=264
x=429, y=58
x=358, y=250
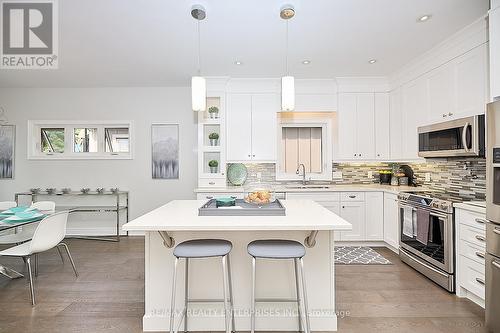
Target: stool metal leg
x=304, y=293
x=252, y=309
x=297, y=288
x=226, y=306
x=172, y=301
x=186, y=295
x=231, y=301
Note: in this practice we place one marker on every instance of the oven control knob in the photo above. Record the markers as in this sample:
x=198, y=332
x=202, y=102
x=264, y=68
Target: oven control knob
x=444, y=206
x=435, y=205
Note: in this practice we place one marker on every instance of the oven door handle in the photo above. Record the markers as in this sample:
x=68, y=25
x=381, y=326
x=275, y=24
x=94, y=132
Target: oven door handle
x=464, y=137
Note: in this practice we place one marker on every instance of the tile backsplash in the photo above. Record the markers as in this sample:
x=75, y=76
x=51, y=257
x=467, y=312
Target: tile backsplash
x=461, y=178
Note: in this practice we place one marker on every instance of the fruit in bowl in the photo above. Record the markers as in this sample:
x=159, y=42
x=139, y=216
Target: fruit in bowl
x=259, y=196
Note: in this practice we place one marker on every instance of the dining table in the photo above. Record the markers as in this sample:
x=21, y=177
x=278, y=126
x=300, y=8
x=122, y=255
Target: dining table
x=10, y=221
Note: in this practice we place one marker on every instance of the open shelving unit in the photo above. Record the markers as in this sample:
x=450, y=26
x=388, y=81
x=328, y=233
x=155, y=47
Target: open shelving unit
x=208, y=152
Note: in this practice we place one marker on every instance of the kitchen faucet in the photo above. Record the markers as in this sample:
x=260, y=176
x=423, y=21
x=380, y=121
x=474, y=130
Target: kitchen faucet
x=303, y=173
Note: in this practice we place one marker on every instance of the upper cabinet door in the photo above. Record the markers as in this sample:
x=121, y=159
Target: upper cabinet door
x=365, y=124
x=396, y=124
x=238, y=127
x=382, y=126
x=471, y=82
x=347, y=127
x=415, y=106
x=264, y=127
x=441, y=94
x=494, y=30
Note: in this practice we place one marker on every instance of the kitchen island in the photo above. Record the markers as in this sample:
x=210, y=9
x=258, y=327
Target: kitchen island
x=305, y=221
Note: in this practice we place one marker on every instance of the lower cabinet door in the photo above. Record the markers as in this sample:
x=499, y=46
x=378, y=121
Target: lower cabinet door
x=391, y=217
x=374, y=222
x=354, y=213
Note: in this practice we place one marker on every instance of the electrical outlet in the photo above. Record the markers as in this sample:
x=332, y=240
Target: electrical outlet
x=259, y=175
x=370, y=174
x=337, y=175
x=427, y=176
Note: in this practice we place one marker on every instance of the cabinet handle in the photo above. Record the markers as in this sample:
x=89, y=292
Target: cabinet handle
x=211, y=183
x=249, y=155
x=359, y=155
x=355, y=155
x=253, y=155
x=209, y=197
x=496, y=231
x=480, y=254
x=481, y=281
x=480, y=221
x=480, y=238
x=450, y=114
x=352, y=196
x=444, y=115
x=343, y=206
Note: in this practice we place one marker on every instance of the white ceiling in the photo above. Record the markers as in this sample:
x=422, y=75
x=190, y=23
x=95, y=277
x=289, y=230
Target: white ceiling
x=153, y=42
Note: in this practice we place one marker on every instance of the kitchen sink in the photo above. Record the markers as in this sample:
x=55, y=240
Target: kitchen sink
x=307, y=186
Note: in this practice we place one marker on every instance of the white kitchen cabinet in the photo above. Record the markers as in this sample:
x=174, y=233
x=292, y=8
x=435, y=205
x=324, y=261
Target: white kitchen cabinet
x=374, y=212
x=415, y=106
x=391, y=216
x=396, y=124
x=494, y=47
x=251, y=127
x=354, y=213
x=471, y=82
x=264, y=109
x=441, y=93
x=356, y=126
x=238, y=127
x=382, y=126
x=315, y=102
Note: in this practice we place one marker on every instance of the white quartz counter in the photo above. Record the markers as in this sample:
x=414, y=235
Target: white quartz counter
x=182, y=215
x=328, y=188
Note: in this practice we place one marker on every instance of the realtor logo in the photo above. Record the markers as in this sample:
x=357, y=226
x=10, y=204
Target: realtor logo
x=29, y=34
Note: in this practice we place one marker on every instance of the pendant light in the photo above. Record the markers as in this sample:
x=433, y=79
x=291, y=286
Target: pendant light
x=287, y=81
x=198, y=82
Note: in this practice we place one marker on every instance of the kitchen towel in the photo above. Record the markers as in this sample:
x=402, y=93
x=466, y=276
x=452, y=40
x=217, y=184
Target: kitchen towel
x=423, y=222
x=408, y=222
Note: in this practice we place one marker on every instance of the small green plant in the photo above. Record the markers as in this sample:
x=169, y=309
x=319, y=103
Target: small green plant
x=213, y=136
x=213, y=164
x=213, y=109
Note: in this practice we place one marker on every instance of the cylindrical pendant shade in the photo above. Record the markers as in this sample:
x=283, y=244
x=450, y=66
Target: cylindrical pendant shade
x=287, y=93
x=199, y=93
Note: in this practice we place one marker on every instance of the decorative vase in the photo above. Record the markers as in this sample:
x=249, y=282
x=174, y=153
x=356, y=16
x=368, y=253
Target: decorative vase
x=214, y=142
x=214, y=169
x=214, y=115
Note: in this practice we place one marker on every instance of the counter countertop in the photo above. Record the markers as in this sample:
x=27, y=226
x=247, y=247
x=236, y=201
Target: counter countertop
x=331, y=188
x=182, y=215
x=473, y=206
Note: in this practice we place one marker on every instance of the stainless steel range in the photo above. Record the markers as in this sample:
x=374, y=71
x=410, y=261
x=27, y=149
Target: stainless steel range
x=426, y=236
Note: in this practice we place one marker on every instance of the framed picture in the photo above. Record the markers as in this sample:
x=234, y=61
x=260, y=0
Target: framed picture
x=7, y=143
x=165, y=151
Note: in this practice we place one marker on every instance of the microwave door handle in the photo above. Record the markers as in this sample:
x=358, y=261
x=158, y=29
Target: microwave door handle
x=464, y=137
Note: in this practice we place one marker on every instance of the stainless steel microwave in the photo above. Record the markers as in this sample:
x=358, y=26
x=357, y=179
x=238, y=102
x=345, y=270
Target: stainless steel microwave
x=460, y=137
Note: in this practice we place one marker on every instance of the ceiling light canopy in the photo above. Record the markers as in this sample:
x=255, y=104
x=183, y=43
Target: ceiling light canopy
x=287, y=81
x=372, y=61
x=198, y=82
x=424, y=18
x=306, y=62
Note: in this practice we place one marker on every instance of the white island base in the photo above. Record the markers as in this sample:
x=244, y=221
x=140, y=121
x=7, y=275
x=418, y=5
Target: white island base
x=275, y=278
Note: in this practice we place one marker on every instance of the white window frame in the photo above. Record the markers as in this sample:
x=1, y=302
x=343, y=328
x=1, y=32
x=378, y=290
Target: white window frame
x=326, y=150
x=34, y=140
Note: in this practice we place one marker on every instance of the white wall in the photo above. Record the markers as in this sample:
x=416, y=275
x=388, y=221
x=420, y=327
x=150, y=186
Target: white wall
x=141, y=105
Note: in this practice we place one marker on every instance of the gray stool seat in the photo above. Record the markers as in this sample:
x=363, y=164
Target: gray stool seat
x=276, y=249
x=203, y=248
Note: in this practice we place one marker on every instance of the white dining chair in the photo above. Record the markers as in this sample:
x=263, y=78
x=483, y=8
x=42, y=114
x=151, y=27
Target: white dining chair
x=27, y=231
x=49, y=234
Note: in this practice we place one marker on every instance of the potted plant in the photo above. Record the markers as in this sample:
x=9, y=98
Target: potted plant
x=214, y=166
x=213, y=112
x=214, y=139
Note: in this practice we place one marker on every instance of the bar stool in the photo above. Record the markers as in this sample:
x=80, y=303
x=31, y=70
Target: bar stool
x=282, y=250
x=199, y=249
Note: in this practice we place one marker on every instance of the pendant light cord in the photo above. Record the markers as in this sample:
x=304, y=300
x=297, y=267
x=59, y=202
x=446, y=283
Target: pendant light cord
x=199, y=49
x=286, y=54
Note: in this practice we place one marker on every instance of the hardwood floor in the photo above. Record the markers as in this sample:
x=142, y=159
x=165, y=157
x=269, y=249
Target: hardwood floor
x=109, y=294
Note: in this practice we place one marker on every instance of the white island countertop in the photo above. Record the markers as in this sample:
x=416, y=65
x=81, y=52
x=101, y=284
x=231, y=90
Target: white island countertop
x=182, y=215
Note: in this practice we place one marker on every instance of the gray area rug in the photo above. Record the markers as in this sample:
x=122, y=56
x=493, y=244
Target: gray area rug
x=358, y=255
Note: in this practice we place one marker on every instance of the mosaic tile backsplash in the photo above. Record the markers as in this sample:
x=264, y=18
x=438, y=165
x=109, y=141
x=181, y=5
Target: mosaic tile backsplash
x=463, y=178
